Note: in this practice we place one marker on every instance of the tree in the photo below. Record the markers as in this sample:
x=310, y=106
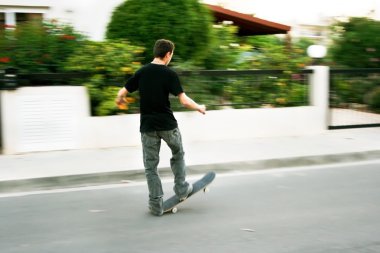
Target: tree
x=186, y=22
x=356, y=43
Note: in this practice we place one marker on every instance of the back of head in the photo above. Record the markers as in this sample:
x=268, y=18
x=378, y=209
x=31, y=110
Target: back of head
x=162, y=47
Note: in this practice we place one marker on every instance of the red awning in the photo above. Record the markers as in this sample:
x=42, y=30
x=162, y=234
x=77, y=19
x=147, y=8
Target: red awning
x=248, y=25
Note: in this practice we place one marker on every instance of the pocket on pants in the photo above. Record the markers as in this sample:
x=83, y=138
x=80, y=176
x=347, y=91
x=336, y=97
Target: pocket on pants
x=173, y=139
x=149, y=138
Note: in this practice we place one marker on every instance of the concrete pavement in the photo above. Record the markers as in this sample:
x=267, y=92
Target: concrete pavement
x=75, y=168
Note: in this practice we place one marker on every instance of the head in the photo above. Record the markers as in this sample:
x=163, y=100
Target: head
x=163, y=49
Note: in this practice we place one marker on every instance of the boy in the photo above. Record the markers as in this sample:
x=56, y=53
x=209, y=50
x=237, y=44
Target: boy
x=155, y=81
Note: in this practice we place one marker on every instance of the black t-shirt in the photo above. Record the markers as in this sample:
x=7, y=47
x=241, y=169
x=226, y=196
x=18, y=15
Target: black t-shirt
x=154, y=83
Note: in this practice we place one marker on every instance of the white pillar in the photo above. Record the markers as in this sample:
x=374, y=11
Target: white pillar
x=10, y=18
x=319, y=92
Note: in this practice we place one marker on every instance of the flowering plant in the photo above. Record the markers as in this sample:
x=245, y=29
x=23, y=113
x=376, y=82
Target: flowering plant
x=38, y=47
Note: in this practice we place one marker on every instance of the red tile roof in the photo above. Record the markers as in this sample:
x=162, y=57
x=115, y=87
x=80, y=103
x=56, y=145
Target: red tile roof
x=248, y=25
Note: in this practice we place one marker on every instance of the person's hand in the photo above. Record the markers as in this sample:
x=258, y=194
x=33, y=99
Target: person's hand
x=202, y=109
x=120, y=102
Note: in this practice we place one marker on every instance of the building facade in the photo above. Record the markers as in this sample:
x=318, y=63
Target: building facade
x=91, y=17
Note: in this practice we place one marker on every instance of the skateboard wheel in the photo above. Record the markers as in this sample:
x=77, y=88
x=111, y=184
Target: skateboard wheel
x=205, y=190
x=174, y=210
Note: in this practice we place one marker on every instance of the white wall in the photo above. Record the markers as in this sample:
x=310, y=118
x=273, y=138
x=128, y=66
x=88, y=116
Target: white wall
x=249, y=123
x=229, y=124
x=27, y=2
x=110, y=131
x=90, y=17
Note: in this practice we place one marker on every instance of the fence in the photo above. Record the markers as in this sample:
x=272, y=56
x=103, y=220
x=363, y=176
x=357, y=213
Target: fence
x=354, y=98
x=246, y=88
x=218, y=89
x=11, y=79
x=354, y=93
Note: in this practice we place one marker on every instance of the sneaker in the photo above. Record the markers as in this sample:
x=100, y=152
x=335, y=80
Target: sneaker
x=189, y=190
x=155, y=206
x=155, y=212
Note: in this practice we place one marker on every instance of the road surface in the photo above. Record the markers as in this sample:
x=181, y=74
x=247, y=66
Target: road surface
x=319, y=209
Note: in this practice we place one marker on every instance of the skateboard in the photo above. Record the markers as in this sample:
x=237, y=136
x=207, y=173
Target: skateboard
x=170, y=205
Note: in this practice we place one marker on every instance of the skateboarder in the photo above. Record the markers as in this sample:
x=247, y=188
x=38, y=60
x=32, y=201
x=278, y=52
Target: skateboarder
x=154, y=82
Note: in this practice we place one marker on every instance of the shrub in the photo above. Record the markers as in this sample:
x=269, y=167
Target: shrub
x=351, y=90
x=38, y=47
x=111, y=61
x=373, y=99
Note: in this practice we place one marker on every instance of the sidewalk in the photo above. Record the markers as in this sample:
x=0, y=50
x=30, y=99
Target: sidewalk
x=74, y=168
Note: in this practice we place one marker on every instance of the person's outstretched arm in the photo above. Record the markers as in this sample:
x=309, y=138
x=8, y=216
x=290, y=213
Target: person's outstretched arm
x=190, y=104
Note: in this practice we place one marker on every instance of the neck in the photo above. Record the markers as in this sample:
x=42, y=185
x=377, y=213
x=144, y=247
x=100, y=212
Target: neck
x=158, y=61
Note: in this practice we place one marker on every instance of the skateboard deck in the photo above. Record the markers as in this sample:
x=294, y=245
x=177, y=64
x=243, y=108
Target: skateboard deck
x=170, y=205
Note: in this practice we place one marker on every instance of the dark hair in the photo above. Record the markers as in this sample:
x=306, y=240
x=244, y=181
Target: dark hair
x=162, y=47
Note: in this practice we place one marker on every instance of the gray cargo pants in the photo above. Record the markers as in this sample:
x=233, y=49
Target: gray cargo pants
x=151, y=142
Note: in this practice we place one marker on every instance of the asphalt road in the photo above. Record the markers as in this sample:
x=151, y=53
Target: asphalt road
x=318, y=209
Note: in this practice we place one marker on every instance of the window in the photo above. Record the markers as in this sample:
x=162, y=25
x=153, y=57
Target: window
x=24, y=17
x=9, y=19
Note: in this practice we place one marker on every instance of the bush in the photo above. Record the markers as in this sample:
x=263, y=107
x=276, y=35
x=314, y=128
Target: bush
x=351, y=90
x=373, y=99
x=111, y=61
x=186, y=22
x=272, y=52
x=356, y=43
x=38, y=47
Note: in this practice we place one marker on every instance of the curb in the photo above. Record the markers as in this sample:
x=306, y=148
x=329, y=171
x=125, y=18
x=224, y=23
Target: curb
x=123, y=177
